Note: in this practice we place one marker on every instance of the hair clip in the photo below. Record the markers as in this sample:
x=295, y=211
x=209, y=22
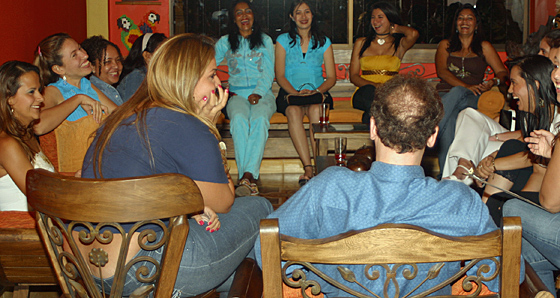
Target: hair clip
x=39, y=51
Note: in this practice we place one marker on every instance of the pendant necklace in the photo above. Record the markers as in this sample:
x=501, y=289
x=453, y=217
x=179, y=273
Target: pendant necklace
x=381, y=41
x=463, y=74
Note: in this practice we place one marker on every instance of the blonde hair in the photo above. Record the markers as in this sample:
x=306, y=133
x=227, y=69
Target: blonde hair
x=173, y=72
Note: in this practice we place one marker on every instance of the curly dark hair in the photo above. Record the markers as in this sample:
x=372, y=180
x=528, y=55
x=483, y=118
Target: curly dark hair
x=96, y=48
x=406, y=110
x=317, y=37
x=255, y=39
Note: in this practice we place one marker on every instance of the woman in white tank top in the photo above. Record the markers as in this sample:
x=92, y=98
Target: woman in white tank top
x=20, y=106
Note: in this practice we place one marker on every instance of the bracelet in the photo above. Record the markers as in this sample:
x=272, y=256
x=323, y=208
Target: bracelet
x=494, y=164
x=496, y=137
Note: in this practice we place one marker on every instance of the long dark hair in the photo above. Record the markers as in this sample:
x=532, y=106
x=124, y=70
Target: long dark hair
x=10, y=74
x=392, y=14
x=317, y=37
x=135, y=59
x=537, y=69
x=255, y=39
x=476, y=43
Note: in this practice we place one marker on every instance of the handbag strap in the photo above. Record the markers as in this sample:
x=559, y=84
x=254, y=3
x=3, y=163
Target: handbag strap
x=303, y=85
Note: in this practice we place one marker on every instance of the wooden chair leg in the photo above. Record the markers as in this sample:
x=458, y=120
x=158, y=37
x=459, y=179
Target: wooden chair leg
x=21, y=291
x=248, y=281
x=532, y=286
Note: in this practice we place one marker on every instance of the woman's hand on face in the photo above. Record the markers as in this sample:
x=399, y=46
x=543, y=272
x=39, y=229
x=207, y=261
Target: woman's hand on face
x=214, y=105
x=540, y=142
x=254, y=99
x=94, y=107
x=209, y=217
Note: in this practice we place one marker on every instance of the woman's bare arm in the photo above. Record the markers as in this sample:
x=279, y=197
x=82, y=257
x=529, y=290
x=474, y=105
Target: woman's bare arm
x=549, y=196
x=14, y=160
x=328, y=60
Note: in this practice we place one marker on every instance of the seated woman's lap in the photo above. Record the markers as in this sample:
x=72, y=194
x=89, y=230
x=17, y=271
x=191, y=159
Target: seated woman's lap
x=282, y=105
x=541, y=238
x=210, y=258
x=239, y=108
x=471, y=139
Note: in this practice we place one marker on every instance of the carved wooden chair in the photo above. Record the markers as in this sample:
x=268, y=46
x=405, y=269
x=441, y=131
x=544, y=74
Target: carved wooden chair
x=66, y=205
x=391, y=246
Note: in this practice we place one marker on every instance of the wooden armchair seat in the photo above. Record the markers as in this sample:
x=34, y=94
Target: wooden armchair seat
x=389, y=245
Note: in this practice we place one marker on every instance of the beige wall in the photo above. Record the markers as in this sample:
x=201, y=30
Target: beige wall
x=98, y=18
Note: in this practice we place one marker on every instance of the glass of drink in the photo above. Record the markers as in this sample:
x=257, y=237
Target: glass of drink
x=340, y=151
x=324, y=116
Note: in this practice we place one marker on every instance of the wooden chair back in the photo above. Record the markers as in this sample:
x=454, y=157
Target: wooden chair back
x=64, y=205
x=389, y=245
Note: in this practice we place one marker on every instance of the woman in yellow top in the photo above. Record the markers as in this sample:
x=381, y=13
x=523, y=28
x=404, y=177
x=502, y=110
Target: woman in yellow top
x=379, y=54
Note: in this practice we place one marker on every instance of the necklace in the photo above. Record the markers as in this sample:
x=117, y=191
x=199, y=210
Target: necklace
x=463, y=74
x=381, y=41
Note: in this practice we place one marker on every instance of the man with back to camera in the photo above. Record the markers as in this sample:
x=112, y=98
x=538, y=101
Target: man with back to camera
x=405, y=114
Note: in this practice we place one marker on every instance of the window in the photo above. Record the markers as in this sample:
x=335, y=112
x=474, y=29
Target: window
x=502, y=19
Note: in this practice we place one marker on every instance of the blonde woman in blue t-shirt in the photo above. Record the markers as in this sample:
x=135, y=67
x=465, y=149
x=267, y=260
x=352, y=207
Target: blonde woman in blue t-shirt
x=300, y=54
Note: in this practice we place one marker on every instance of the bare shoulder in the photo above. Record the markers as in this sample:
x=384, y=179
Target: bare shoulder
x=443, y=44
x=487, y=46
x=52, y=96
x=10, y=146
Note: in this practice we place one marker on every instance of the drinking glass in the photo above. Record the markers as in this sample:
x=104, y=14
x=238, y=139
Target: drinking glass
x=324, y=116
x=340, y=150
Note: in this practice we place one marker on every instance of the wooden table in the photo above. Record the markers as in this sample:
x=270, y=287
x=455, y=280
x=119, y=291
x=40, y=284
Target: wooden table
x=354, y=132
x=357, y=135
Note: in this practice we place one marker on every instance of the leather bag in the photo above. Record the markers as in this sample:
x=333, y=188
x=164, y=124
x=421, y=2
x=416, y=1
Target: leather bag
x=305, y=99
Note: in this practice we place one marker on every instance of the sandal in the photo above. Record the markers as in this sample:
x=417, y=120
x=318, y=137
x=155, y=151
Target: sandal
x=303, y=179
x=246, y=188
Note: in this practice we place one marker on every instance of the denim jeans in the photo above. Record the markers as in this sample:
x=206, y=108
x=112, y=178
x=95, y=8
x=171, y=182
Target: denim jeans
x=210, y=259
x=541, y=239
x=454, y=101
x=249, y=129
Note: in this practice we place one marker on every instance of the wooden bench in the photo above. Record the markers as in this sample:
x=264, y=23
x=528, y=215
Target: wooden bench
x=281, y=157
x=23, y=260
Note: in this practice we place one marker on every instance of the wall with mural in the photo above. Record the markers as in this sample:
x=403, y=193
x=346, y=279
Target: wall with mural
x=129, y=20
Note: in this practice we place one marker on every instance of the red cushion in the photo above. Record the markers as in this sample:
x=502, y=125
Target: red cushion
x=17, y=220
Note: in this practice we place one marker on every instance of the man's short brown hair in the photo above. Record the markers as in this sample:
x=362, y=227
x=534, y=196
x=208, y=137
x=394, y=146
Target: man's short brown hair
x=406, y=110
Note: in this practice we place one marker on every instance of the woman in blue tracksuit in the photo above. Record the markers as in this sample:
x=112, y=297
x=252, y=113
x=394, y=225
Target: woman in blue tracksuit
x=250, y=59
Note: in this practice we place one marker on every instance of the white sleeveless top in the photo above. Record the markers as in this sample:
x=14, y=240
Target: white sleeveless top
x=11, y=197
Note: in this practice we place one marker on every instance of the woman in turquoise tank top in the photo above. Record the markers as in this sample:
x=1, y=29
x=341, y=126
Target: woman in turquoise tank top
x=69, y=95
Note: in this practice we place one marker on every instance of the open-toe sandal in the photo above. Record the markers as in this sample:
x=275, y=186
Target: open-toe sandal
x=246, y=188
x=303, y=179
